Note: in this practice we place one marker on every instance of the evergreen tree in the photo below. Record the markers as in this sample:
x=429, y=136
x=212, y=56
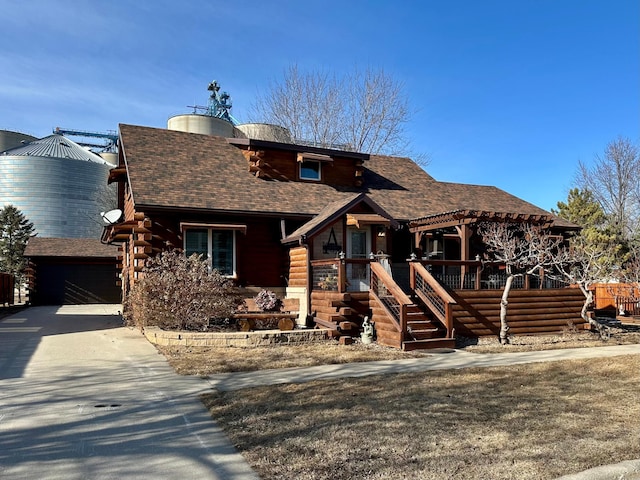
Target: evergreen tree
x=582, y=209
x=598, y=235
x=15, y=230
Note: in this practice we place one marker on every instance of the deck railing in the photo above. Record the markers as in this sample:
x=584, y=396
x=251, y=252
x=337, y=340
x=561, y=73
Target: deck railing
x=331, y=274
x=429, y=290
x=477, y=275
x=389, y=295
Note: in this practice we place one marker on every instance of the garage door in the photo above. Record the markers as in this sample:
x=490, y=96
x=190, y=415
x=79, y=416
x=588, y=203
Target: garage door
x=75, y=283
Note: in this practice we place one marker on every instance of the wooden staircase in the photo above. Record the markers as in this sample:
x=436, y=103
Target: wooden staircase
x=424, y=331
x=341, y=312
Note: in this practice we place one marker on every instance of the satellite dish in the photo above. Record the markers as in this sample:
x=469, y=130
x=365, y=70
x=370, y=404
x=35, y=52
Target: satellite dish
x=112, y=216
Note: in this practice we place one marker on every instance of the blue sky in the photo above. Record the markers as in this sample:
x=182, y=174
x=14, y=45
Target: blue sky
x=511, y=93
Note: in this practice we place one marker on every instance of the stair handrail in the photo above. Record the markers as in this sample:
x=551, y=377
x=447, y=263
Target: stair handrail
x=429, y=290
x=400, y=299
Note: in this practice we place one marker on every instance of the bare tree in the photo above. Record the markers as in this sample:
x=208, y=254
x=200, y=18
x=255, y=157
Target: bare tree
x=363, y=110
x=583, y=263
x=612, y=179
x=524, y=249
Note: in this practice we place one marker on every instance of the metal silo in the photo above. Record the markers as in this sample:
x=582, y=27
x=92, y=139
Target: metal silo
x=9, y=139
x=204, y=124
x=215, y=118
x=58, y=185
x=263, y=131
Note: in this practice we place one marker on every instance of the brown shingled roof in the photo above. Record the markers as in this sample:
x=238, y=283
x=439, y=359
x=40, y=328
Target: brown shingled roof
x=192, y=171
x=69, y=247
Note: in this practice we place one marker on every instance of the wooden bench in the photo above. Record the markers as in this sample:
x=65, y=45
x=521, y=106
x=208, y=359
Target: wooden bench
x=250, y=317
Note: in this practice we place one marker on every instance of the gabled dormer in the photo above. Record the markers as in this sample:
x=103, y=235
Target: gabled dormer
x=287, y=162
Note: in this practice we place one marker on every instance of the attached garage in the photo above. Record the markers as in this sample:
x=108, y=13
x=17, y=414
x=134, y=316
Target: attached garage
x=65, y=271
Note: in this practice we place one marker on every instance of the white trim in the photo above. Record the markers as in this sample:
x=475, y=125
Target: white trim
x=309, y=178
x=210, y=228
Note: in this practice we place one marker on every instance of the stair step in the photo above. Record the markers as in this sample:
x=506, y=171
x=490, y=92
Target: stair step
x=421, y=324
x=325, y=324
x=427, y=333
x=428, y=344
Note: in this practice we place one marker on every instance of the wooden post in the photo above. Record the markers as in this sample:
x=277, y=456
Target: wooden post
x=447, y=316
x=412, y=276
x=342, y=276
x=464, y=233
x=403, y=319
x=478, y=274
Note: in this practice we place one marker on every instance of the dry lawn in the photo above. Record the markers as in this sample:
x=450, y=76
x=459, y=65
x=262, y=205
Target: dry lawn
x=534, y=421
x=210, y=360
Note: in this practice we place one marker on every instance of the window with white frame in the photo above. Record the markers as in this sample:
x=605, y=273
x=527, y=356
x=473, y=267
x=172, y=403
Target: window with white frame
x=310, y=170
x=218, y=246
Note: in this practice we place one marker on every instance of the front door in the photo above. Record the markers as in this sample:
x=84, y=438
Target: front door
x=358, y=247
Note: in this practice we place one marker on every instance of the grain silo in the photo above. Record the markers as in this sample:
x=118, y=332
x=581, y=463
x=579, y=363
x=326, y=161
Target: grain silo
x=58, y=185
x=214, y=119
x=9, y=139
x=263, y=131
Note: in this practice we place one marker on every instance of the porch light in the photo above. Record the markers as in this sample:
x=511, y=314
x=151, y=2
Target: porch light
x=372, y=256
x=341, y=255
x=413, y=257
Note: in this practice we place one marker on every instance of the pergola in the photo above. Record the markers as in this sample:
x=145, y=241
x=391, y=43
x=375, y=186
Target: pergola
x=462, y=221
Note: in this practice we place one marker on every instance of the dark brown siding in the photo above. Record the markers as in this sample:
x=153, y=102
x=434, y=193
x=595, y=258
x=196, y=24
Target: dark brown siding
x=261, y=258
x=283, y=165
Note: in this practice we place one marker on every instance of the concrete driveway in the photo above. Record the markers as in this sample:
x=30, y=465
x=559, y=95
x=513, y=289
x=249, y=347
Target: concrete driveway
x=82, y=397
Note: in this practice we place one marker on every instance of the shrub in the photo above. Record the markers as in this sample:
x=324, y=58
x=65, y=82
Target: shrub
x=176, y=292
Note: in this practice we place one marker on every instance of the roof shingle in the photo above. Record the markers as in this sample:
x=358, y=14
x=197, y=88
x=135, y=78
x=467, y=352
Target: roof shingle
x=69, y=247
x=192, y=171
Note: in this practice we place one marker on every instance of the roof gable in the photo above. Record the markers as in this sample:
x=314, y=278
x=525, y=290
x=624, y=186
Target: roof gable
x=333, y=211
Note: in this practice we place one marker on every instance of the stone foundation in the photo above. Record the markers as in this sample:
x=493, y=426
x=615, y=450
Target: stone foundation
x=158, y=336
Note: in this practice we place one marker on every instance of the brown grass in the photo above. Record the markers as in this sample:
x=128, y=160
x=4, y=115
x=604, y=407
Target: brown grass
x=533, y=421
x=568, y=339
x=210, y=360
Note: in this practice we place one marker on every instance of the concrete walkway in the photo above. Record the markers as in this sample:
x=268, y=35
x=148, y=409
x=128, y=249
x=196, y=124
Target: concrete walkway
x=82, y=397
x=445, y=360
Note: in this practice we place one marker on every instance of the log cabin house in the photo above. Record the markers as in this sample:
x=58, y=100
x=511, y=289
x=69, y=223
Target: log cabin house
x=347, y=234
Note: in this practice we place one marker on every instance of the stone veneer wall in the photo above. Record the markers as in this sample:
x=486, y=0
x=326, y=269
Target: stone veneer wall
x=233, y=339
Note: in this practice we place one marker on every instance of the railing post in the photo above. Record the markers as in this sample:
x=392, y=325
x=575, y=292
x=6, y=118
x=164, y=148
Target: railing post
x=448, y=315
x=478, y=278
x=403, y=319
x=412, y=275
x=342, y=276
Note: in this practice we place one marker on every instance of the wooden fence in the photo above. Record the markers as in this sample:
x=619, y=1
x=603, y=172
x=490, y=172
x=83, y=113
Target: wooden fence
x=621, y=297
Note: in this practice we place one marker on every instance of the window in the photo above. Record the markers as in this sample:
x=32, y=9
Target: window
x=309, y=170
x=217, y=246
